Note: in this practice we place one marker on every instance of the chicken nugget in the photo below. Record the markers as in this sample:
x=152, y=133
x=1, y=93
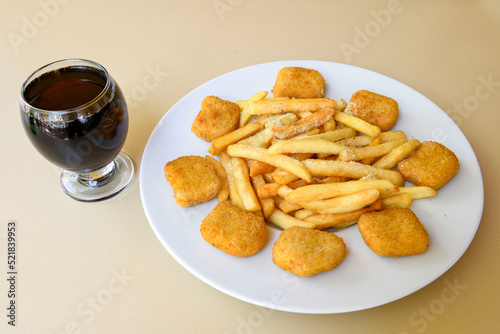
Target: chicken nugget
x=233, y=230
x=299, y=82
x=193, y=180
x=432, y=165
x=216, y=118
x=305, y=251
x=393, y=232
x=376, y=109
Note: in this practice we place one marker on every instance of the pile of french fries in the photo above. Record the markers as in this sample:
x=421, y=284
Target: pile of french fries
x=305, y=162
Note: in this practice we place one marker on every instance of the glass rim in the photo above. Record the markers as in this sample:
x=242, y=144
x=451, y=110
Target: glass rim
x=34, y=75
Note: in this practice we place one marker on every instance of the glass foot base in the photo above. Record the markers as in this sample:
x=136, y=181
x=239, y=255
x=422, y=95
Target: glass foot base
x=101, y=184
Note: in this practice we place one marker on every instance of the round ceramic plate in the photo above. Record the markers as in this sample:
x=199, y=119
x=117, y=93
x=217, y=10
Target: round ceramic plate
x=364, y=279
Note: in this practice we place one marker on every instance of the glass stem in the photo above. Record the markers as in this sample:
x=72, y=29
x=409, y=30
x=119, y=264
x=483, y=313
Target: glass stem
x=98, y=177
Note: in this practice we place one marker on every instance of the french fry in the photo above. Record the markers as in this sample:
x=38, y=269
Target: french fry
x=223, y=193
x=245, y=116
x=365, y=140
x=418, y=192
x=333, y=135
x=351, y=169
x=288, y=105
x=391, y=159
x=288, y=207
x=281, y=219
x=329, y=125
x=304, y=213
x=329, y=190
x=283, y=191
x=307, y=146
x=220, y=144
x=360, y=153
x=268, y=190
x=234, y=195
x=357, y=124
x=245, y=189
x=306, y=124
x=343, y=204
x=282, y=161
x=267, y=204
x=259, y=168
x=263, y=138
x=370, y=160
x=401, y=200
x=324, y=221
x=341, y=105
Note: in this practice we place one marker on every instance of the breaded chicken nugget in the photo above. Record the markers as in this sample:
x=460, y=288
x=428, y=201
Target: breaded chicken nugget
x=432, y=165
x=193, y=180
x=299, y=82
x=393, y=232
x=374, y=108
x=216, y=118
x=233, y=230
x=305, y=251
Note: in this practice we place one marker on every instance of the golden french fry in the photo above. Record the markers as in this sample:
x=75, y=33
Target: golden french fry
x=267, y=204
x=360, y=153
x=263, y=138
x=391, y=159
x=341, y=105
x=418, y=192
x=288, y=105
x=282, y=161
x=281, y=219
x=343, y=204
x=284, y=190
x=370, y=160
x=322, y=191
x=245, y=189
x=333, y=135
x=244, y=115
x=306, y=124
x=223, y=193
x=401, y=200
x=268, y=190
x=287, y=207
x=329, y=125
x=351, y=169
x=234, y=195
x=357, y=124
x=220, y=144
x=307, y=146
x=259, y=168
x=365, y=140
x=275, y=120
x=342, y=220
x=303, y=213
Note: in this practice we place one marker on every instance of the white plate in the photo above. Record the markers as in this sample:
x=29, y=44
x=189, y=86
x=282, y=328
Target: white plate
x=363, y=279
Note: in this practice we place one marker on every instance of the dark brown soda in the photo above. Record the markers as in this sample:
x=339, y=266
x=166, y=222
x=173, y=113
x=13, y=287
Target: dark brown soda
x=82, y=140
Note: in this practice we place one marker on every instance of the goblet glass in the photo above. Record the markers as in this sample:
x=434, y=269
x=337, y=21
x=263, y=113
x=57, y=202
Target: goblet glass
x=75, y=115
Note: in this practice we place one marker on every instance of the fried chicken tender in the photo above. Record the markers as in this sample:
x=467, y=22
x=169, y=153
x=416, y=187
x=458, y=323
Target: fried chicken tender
x=305, y=251
x=299, y=82
x=233, y=230
x=193, y=179
x=216, y=118
x=374, y=108
x=393, y=232
x=432, y=165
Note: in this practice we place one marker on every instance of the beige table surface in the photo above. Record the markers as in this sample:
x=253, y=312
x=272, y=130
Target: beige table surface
x=99, y=268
